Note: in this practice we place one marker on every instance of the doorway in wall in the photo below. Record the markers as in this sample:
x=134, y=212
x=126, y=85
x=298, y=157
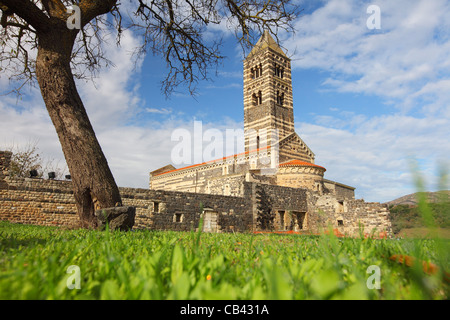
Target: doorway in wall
x=210, y=221
x=298, y=221
x=281, y=224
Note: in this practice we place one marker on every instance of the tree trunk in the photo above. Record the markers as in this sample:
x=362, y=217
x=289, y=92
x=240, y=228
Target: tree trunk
x=93, y=183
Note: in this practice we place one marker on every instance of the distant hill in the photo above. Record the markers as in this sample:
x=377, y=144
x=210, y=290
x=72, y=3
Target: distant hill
x=411, y=199
x=407, y=219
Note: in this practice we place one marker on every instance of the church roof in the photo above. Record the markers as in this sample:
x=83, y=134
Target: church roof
x=299, y=163
x=266, y=41
x=292, y=163
x=162, y=170
x=211, y=161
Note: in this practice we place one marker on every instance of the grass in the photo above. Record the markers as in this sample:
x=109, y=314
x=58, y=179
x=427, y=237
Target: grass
x=186, y=265
x=423, y=232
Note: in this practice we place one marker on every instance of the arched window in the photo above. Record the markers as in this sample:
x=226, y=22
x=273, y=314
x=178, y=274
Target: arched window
x=257, y=98
x=257, y=71
x=280, y=97
x=278, y=71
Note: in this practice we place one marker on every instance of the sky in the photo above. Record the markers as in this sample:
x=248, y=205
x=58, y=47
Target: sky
x=369, y=102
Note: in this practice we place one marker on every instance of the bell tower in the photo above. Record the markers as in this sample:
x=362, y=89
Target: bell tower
x=268, y=106
x=268, y=103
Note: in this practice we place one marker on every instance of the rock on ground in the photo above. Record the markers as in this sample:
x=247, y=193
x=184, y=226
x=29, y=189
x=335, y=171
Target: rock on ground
x=121, y=218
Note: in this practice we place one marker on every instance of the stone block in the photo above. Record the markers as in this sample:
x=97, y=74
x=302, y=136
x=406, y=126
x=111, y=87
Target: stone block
x=118, y=218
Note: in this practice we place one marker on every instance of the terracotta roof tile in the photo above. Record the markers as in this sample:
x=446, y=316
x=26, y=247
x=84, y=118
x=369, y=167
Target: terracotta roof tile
x=212, y=161
x=299, y=163
x=292, y=163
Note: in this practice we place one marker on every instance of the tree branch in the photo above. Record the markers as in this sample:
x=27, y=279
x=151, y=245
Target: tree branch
x=6, y=24
x=55, y=8
x=93, y=8
x=29, y=12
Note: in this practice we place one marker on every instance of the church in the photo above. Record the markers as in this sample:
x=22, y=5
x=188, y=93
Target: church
x=274, y=185
x=274, y=153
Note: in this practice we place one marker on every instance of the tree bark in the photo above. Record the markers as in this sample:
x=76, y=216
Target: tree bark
x=93, y=183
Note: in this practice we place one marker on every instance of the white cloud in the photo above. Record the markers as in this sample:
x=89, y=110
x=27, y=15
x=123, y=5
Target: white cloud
x=231, y=74
x=226, y=86
x=158, y=111
x=113, y=97
x=409, y=52
x=23, y=121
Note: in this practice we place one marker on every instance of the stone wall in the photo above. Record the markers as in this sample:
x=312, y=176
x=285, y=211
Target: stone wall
x=49, y=202
x=36, y=201
x=350, y=217
x=341, y=191
x=369, y=216
x=37, y=206
x=262, y=207
x=274, y=206
x=172, y=210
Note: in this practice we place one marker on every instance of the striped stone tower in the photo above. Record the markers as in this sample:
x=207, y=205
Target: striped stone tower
x=268, y=103
x=267, y=94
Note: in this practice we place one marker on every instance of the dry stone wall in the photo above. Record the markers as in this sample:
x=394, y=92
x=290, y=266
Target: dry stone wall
x=349, y=217
x=340, y=191
x=35, y=201
x=262, y=206
x=269, y=201
x=156, y=210
x=181, y=211
x=51, y=202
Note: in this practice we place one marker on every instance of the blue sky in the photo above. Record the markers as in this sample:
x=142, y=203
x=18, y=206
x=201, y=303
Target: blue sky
x=365, y=101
